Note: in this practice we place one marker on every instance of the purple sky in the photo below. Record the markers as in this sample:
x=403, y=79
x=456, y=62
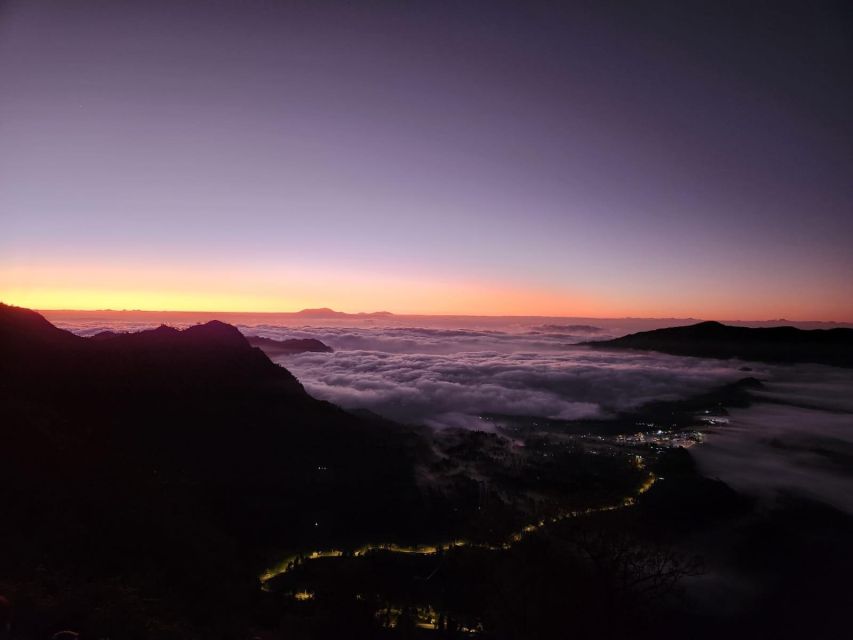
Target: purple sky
x=597, y=160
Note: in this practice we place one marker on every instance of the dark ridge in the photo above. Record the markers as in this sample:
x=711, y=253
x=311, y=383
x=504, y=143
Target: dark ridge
x=290, y=346
x=180, y=458
x=209, y=334
x=23, y=327
x=716, y=340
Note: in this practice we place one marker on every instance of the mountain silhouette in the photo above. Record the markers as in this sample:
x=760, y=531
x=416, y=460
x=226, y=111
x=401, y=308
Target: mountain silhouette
x=326, y=312
x=717, y=340
x=322, y=312
x=179, y=458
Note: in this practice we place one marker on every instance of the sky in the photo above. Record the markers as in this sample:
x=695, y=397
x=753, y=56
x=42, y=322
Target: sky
x=584, y=159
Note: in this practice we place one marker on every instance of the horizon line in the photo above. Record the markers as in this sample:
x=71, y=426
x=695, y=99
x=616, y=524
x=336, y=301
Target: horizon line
x=435, y=315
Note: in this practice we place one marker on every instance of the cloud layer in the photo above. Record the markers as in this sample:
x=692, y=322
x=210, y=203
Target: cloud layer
x=443, y=377
x=801, y=441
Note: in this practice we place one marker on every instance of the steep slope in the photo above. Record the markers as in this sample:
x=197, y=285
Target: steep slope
x=22, y=329
x=173, y=462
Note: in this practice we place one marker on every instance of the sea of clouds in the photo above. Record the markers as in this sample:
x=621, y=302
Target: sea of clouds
x=448, y=372
x=451, y=377
x=797, y=437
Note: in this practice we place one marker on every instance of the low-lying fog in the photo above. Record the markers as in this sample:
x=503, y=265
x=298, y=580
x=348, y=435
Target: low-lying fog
x=797, y=437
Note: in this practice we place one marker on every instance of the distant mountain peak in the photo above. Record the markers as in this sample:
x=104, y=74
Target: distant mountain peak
x=320, y=312
x=221, y=332
x=766, y=344
x=326, y=312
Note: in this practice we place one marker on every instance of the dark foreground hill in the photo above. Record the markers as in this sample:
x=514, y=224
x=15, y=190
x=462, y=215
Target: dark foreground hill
x=149, y=475
x=715, y=340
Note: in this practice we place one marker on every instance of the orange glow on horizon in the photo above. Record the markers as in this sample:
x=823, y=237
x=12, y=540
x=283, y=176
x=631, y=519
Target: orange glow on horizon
x=269, y=290
x=436, y=299
x=262, y=289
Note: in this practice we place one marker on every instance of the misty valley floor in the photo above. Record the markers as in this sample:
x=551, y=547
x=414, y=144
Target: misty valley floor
x=722, y=548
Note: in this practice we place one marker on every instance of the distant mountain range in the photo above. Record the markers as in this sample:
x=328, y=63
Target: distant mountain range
x=716, y=340
x=568, y=328
x=325, y=312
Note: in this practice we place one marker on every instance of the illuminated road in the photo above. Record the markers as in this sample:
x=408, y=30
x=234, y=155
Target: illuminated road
x=291, y=562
